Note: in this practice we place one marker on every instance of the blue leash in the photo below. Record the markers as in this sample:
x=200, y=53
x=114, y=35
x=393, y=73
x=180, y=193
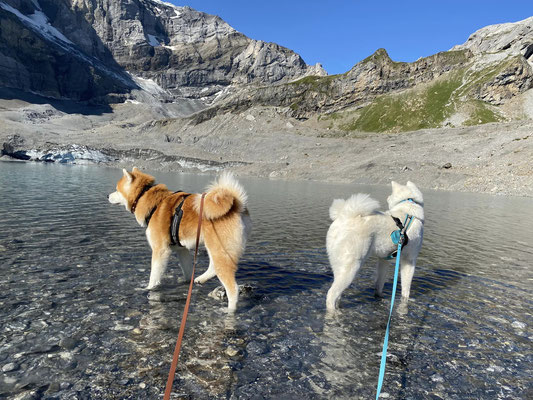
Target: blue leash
x=386, y=340
x=394, y=284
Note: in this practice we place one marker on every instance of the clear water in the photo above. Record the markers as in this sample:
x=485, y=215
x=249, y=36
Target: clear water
x=76, y=325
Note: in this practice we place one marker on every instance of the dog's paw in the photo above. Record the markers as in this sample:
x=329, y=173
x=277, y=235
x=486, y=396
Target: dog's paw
x=153, y=286
x=201, y=280
x=403, y=307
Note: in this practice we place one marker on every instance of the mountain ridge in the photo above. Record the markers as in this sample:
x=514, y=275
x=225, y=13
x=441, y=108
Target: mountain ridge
x=186, y=63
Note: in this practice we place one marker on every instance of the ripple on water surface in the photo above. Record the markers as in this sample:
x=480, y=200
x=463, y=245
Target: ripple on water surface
x=76, y=323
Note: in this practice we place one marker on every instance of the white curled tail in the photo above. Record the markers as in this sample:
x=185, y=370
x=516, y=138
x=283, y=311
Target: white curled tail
x=358, y=205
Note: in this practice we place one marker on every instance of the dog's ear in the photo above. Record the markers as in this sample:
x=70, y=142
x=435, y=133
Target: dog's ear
x=395, y=185
x=135, y=169
x=411, y=185
x=128, y=176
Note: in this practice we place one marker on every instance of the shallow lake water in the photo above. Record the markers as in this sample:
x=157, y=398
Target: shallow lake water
x=76, y=324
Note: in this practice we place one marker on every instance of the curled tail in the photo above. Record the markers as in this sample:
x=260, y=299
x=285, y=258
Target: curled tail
x=223, y=195
x=357, y=205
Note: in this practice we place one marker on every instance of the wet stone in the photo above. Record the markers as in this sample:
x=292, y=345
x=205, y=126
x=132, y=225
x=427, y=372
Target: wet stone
x=10, y=367
x=518, y=325
x=256, y=347
x=232, y=351
x=53, y=388
x=68, y=343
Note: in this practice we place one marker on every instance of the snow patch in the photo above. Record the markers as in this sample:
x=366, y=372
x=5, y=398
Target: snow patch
x=39, y=22
x=163, y=3
x=149, y=85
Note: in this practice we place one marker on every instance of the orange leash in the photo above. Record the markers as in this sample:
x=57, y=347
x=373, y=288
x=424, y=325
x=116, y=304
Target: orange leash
x=177, y=349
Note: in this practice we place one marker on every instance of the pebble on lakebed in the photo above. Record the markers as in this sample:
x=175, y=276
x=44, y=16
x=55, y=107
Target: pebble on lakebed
x=219, y=293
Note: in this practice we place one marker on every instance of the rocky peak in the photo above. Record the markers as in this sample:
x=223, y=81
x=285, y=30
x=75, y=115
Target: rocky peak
x=513, y=39
x=186, y=52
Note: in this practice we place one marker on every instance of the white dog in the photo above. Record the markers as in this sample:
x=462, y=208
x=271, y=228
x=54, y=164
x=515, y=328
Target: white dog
x=358, y=230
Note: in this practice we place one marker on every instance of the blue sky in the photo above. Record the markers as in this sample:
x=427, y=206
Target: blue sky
x=340, y=33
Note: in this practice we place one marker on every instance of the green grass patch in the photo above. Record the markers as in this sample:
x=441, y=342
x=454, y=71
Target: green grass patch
x=320, y=84
x=415, y=109
x=482, y=114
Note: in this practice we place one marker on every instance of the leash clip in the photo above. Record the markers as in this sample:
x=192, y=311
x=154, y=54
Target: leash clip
x=401, y=239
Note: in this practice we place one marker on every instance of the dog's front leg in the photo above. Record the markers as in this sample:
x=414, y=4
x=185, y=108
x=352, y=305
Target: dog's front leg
x=381, y=277
x=159, y=265
x=407, y=271
x=185, y=262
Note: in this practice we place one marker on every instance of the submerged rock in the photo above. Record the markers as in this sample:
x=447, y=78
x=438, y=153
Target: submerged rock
x=219, y=292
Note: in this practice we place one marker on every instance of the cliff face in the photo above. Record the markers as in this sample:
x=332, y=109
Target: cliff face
x=37, y=57
x=185, y=52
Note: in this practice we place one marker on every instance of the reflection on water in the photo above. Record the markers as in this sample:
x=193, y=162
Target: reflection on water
x=76, y=322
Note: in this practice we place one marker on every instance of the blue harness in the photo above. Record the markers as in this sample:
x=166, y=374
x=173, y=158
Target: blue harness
x=400, y=234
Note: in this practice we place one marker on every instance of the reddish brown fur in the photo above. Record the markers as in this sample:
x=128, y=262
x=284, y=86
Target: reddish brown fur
x=222, y=228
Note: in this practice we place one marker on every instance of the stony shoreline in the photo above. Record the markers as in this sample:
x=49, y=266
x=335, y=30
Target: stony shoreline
x=491, y=158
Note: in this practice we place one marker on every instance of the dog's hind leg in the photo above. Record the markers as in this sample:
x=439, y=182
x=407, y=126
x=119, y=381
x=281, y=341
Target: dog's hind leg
x=225, y=269
x=381, y=277
x=185, y=262
x=159, y=265
x=225, y=266
x=210, y=273
x=342, y=278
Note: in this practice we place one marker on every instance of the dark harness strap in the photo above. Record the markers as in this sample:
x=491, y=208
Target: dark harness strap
x=399, y=235
x=143, y=191
x=176, y=221
x=401, y=227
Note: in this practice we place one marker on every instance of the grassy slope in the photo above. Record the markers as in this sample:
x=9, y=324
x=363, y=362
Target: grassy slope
x=427, y=106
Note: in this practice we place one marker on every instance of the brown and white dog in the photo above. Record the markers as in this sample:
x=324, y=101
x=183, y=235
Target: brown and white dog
x=225, y=227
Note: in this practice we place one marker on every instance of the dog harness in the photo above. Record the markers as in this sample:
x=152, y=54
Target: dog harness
x=176, y=221
x=400, y=234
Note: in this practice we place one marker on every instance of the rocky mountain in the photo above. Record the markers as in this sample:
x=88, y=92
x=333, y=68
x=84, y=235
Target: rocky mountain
x=86, y=49
x=468, y=85
x=185, y=63
x=35, y=55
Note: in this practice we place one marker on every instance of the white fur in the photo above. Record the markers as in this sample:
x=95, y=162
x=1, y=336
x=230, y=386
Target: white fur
x=358, y=204
x=226, y=181
x=358, y=231
x=117, y=198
